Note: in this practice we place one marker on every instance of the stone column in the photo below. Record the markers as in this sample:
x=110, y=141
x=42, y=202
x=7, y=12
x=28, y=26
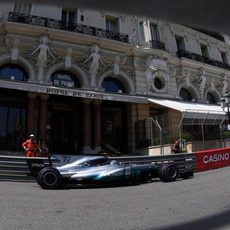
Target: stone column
x=43, y=116
x=87, y=129
x=97, y=126
x=31, y=112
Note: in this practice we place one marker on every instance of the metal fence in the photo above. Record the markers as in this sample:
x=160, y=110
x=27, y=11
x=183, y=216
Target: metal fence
x=61, y=25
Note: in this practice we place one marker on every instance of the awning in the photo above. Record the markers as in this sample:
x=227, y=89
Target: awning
x=194, y=112
x=71, y=92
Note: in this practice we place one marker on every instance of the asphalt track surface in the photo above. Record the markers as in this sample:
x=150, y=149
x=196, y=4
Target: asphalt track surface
x=202, y=202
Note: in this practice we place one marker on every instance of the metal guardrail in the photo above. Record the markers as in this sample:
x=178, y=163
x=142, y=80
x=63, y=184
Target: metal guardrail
x=110, y=149
x=184, y=162
x=15, y=168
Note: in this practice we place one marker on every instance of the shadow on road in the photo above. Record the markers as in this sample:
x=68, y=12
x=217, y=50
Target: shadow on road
x=214, y=222
x=99, y=186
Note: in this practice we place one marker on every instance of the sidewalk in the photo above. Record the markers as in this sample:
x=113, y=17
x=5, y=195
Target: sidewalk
x=11, y=153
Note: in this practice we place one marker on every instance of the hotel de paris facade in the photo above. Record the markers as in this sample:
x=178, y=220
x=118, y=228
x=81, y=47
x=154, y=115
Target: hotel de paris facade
x=81, y=79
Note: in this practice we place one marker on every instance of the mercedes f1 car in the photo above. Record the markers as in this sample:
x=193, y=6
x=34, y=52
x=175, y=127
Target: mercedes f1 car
x=100, y=170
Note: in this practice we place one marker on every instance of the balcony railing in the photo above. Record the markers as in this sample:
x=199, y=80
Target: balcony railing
x=61, y=25
x=200, y=58
x=157, y=44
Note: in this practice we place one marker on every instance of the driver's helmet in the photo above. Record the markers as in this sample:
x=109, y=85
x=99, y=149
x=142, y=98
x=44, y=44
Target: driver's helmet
x=114, y=162
x=32, y=135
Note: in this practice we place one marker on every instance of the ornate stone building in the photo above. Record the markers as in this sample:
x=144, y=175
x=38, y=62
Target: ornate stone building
x=85, y=80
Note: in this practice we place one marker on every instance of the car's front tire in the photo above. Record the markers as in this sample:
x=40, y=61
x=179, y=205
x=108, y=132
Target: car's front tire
x=168, y=172
x=49, y=178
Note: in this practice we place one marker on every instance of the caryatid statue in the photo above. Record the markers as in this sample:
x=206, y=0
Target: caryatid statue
x=95, y=59
x=42, y=58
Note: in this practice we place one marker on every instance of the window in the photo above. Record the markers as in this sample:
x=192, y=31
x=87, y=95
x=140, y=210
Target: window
x=224, y=57
x=158, y=83
x=204, y=50
x=64, y=79
x=211, y=99
x=142, y=32
x=112, y=23
x=22, y=8
x=185, y=95
x=154, y=32
x=112, y=85
x=13, y=72
x=180, y=43
x=69, y=17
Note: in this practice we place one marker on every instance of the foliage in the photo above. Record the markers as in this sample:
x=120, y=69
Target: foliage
x=186, y=136
x=226, y=134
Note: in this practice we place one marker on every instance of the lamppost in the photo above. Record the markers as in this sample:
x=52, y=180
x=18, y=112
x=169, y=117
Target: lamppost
x=225, y=105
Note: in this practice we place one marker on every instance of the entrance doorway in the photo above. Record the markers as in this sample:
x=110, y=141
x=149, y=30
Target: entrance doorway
x=64, y=126
x=13, y=119
x=62, y=131
x=114, y=125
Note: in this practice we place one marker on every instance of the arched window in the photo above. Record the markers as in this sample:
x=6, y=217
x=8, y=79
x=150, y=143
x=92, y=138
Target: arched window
x=211, y=99
x=113, y=85
x=64, y=79
x=13, y=72
x=185, y=95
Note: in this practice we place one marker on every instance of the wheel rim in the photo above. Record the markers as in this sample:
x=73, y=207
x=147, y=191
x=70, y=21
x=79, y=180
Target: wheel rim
x=50, y=179
x=171, y=172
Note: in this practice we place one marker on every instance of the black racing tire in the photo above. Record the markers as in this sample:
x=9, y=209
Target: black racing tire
x=168, y=172
x=49, y=178
x=39, y=176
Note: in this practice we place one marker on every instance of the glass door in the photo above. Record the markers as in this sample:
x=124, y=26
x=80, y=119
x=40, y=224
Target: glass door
x=114, y=127
x=64, y=125
x=13, y=120
x=62, y=131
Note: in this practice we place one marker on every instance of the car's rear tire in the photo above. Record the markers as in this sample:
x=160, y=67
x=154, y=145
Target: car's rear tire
x=49, y=178
x=168, y=172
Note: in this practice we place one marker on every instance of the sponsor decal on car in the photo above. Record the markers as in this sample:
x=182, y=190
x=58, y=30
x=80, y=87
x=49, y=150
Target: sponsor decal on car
x=37, y=165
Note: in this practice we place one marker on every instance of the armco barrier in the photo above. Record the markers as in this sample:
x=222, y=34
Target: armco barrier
x=15, y=168
x=212, y=159
x=185, y=162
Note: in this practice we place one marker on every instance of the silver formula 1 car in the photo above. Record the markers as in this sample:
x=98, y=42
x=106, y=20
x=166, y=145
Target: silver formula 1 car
x=99, y=170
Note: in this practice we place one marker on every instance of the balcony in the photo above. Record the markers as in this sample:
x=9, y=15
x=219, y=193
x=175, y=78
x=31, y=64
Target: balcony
x=60, y=25
x=157, y=45
x=200, y=58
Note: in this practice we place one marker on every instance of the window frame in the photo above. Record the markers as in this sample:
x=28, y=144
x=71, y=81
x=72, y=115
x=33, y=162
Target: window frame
x=110, y=21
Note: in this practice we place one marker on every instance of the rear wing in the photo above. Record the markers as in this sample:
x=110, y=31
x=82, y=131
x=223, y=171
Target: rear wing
x=36, y=164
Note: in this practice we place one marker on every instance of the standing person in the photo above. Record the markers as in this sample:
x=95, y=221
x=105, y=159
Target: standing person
x=31, y=146
x=176, y=148
x=44, y=149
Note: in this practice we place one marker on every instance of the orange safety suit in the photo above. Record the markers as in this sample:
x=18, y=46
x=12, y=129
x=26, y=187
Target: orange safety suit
x=31, y=146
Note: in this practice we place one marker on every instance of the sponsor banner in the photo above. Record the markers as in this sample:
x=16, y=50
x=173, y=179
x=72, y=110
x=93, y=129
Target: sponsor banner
x=212, y=159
